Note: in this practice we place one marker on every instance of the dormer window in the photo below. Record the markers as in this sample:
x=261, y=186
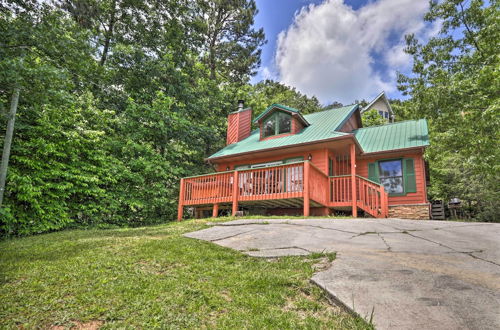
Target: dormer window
x=277, y=123
x=279, y=120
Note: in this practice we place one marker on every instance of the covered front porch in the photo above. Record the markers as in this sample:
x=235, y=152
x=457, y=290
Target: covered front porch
x=293, y=185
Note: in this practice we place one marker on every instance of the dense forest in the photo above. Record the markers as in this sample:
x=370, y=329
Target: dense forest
x=119, y=99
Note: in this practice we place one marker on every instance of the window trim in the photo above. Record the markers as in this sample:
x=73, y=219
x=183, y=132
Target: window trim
x=267, y=164
x=276, y=116
x=401, y=159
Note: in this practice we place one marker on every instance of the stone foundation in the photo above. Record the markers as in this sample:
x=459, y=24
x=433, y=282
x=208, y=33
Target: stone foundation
x=410, y=211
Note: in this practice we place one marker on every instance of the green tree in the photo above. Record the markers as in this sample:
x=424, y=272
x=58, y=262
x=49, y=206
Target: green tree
x=265, y=93
x=455, y=84
x=333, y=105
x=372, y=118
x=117, y=104
x=229, y=41
x=55, y=175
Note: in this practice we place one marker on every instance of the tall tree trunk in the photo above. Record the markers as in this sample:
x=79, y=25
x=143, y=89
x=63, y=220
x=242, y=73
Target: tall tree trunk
x=108, y=35
x=8, y=142
x=212, y=64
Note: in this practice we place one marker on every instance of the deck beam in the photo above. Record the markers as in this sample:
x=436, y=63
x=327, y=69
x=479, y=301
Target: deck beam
x=215, y=211
x=236, y=193
x=307, y=208
x=180, y=207
x=353, y=181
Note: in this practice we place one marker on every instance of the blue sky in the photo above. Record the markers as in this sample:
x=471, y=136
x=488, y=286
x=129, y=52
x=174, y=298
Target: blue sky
x=339, y=50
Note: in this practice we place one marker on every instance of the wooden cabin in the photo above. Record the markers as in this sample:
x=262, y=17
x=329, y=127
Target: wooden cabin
x=316, y=164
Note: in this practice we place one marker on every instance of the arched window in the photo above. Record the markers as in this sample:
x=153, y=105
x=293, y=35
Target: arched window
x=277, y=123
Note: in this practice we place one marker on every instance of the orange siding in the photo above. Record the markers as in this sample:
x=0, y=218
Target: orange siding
x=239, y=126
x=411, y=198
x=245, y=127
x=232, y=128
x=297, y=126
x=319, y=158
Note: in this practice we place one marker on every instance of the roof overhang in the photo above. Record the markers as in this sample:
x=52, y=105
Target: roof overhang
x=337, y=138
x=369, y=154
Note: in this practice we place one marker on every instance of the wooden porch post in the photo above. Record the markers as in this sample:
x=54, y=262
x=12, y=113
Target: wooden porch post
x=215, y=211
x=353, y=181
x=384, y=203
x=236, y=193
x=306, y=189
x=180, y=207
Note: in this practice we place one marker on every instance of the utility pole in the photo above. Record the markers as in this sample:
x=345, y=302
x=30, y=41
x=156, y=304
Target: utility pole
x=8, y=141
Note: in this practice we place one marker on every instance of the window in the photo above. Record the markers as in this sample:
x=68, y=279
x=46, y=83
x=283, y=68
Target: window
x=391, y=176
x=398, y=176
x=277, y=123
x=386, y=115
x=269, y=127
x=262, y=165
x=381, y=113
x=285, y=123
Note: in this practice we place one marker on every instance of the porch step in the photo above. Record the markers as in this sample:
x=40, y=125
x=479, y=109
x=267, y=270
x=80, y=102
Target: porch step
x=437, y=210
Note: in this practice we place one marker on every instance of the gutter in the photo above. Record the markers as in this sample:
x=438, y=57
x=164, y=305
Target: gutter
x=367, y=154
x=347, y=136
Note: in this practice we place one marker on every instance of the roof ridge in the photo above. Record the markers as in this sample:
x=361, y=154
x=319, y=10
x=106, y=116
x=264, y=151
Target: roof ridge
x=388, y=124
x=279, y=106
x=344, y=106
x=283, y=106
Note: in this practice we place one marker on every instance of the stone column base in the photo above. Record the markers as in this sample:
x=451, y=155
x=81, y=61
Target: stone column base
x=410, y=211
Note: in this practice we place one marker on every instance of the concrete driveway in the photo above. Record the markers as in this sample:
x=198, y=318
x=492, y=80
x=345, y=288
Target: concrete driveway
x=411, y=274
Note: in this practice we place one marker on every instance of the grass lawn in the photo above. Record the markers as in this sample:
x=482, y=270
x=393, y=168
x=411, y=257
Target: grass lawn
x=152, y=277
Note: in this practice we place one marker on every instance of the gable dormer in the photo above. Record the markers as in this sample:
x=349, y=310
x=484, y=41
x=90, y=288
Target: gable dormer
x=351, y=122
x=279, y=120
x=382, y=106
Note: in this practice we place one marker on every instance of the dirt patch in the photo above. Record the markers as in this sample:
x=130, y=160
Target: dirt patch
x=321, y=265
x=77, y=325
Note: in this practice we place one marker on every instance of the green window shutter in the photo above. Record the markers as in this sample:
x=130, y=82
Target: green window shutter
x=373, y=172
x=409, y=175
x=330, y=166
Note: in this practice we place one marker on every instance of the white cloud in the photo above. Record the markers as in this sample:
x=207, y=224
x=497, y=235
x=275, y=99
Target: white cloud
x=266, y=73
x=396, y=57
x=329, y=49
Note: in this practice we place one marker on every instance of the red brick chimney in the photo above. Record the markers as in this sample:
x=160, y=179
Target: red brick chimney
x=239, y=124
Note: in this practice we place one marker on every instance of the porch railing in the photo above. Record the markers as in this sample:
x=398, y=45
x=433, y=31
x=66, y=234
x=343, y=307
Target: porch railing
x=281, y=181
x=370, y=196
x=318, y=186
x=294, y=180
x=340, y=190
x=274, y=182
x=210, y=188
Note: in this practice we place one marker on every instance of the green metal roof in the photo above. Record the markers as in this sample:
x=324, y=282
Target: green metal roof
x=322, y=126
x=399, y=135
x=283, y=107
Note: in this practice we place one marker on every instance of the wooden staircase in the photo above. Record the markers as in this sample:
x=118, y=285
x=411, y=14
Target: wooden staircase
x=370, y=196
